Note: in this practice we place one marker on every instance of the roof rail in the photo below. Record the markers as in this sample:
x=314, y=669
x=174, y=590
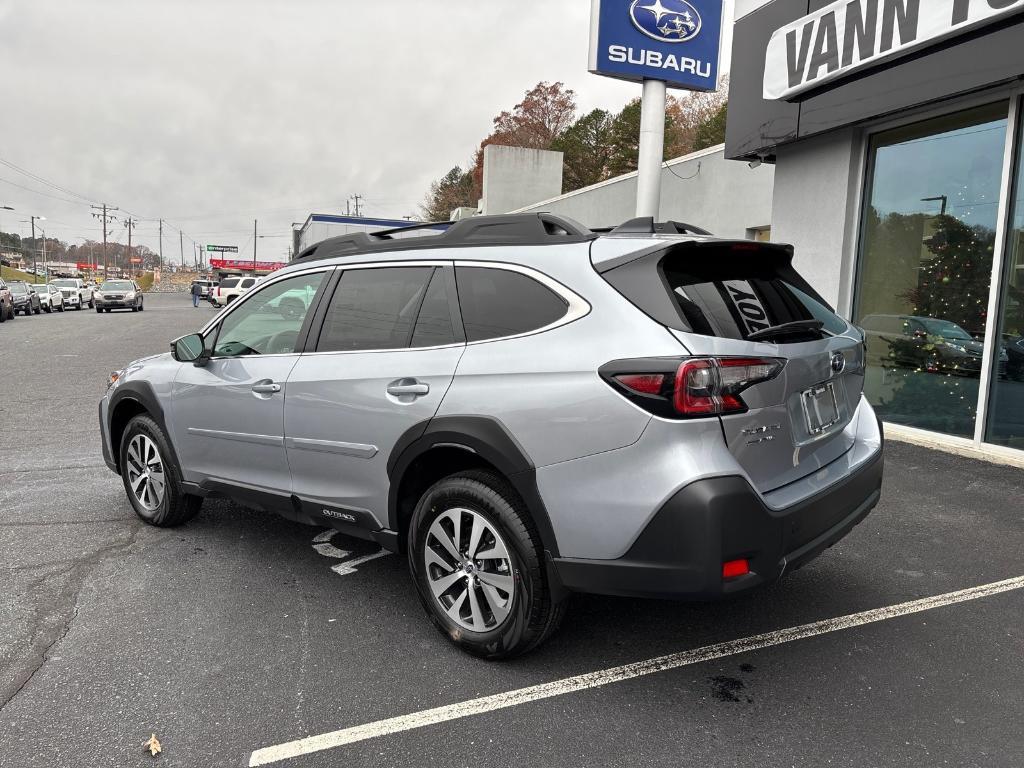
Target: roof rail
x=646, y=225
x=508, y=229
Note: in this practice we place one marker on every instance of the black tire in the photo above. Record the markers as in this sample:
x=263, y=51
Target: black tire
x=175, y=506
x=90, y=304
x=61, y=307
x=135, y=308
x=106, y=310
x=49, y=308
x=99, y=310
x=142, y=306
x=534, y=614
x=38, y=309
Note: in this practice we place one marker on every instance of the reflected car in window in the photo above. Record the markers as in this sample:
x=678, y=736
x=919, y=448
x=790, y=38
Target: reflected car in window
x=926, y=343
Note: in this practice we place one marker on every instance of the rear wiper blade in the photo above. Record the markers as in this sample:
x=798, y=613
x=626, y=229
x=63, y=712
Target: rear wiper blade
x=797, y=326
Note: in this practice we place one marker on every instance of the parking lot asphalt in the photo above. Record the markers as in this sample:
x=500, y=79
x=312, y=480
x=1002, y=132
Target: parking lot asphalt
x=241, y=631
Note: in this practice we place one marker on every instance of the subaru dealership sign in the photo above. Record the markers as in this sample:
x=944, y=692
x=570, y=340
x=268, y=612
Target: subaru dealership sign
x=676, y=41
x=848, y=36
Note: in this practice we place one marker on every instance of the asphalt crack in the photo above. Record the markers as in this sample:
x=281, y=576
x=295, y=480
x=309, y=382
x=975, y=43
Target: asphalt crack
x=53, y=618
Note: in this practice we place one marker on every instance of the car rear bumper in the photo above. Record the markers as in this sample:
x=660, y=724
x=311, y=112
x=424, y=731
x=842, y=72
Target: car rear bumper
x=711, y=521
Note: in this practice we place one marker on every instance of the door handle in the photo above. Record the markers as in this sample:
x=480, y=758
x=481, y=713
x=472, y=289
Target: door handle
x=412, y=387
x=266, y=388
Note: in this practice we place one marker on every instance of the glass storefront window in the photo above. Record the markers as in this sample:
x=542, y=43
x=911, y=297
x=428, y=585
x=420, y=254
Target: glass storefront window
x=1006, y=412
x=927, y=242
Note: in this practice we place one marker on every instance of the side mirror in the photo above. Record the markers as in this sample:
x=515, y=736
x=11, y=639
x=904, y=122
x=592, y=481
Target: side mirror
x=190, y=349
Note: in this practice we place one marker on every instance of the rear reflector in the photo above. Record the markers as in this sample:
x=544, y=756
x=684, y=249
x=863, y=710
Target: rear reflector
x=643, y=383
x=733, y=568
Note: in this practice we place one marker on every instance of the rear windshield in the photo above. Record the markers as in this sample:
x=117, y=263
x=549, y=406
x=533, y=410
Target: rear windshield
x=731, y=291
x=231, y=282
x=18, y=288
x=65, y=283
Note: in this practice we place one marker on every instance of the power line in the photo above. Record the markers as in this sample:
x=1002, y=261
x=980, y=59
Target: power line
x=45, y=181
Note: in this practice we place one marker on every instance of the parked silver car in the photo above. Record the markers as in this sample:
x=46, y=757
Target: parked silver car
x=525, y=408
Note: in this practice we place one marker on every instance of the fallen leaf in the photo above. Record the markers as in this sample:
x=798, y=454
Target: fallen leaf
x=153, y=745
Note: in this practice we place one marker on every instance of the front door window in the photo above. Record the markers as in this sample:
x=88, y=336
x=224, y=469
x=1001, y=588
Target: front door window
x=269, y=321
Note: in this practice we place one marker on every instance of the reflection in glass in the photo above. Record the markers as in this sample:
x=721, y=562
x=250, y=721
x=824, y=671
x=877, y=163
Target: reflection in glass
x=927, y=242
x=1006, y=412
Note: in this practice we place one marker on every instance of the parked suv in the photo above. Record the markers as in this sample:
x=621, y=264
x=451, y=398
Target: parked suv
x=230, y=288
x=25, y=298
x=118, y=294
x=50, y=297
x=524, y=408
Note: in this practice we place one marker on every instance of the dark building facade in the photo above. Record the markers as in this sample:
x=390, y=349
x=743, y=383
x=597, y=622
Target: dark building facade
x=894, y=127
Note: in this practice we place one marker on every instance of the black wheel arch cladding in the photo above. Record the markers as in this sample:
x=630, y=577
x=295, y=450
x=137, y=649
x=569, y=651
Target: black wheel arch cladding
x=490, y=441
x=141, y=394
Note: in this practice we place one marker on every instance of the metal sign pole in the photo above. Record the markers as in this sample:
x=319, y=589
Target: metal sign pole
x=652, y=148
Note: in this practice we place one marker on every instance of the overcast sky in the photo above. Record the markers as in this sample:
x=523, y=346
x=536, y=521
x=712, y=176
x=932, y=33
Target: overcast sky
x=210, y=113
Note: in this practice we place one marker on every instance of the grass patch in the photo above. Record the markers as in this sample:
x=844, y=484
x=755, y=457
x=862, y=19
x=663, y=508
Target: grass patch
x=9, y=274
x=145, y=281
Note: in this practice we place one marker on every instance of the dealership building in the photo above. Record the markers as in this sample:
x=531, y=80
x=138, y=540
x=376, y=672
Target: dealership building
x=894, y=127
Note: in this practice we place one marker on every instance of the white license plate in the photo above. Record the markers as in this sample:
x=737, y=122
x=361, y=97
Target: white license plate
x=820, y=408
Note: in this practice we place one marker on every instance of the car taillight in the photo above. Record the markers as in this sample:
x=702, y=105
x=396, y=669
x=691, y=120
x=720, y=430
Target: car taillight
x=690, y=387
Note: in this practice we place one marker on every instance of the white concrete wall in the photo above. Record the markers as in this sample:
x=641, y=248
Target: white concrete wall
x=816, y=188
x=516, y=176
x=725, y=197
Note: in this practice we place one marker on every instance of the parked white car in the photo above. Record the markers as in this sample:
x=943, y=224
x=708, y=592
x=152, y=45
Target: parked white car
x=77, y=293
x=230, y=288
x=50, y=298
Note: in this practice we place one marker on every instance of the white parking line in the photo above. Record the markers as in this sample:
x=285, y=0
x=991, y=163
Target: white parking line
x=332, y=739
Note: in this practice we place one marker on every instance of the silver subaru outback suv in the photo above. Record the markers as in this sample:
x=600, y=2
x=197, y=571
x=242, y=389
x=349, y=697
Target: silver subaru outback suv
x=525, y=408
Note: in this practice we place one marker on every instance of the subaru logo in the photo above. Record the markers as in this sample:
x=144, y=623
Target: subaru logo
x=670, y=21
x=838, y=363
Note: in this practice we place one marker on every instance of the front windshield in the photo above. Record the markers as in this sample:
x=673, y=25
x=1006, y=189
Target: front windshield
x=946, y=329
x=18, y=288
x=117, y=285
x=64, y=283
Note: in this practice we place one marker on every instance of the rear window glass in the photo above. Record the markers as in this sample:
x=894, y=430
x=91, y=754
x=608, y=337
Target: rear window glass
x=727, y=291
x=499, y=302
x=230, y=283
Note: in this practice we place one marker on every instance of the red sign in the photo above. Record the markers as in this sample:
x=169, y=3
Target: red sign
x=242, y=264
x=83, y=266
x=135, y=260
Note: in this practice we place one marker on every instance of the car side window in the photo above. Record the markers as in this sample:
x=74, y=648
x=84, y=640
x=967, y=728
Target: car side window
x=268, y=321
x=500, y=302
x=434, y=326
x=374, y=308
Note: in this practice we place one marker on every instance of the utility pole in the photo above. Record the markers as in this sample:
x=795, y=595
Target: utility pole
x=181, y=246
x=33, y=220
x=105, y=217
x=357, y=198
x=161, y=244
x=254, y=239
x=6, y=208
x=131, y=224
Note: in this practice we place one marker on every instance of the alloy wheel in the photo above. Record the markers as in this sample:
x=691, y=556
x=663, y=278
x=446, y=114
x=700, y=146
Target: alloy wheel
x=468, y=569
x=145, y=472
